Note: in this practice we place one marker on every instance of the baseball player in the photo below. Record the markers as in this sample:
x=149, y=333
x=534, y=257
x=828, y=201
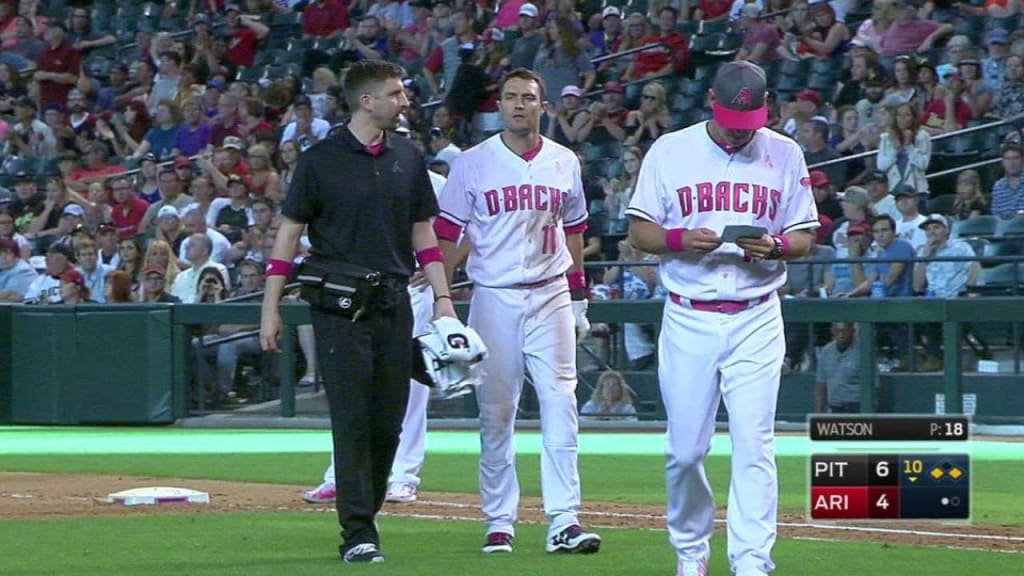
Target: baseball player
x=519, y=199
x=405, y=472
x=722, y=333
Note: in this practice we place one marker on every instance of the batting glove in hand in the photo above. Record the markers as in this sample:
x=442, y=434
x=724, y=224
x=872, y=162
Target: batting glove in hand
x=579, y=312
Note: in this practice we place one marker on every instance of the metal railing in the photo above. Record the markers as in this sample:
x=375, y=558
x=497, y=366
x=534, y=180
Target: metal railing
x=939, y=137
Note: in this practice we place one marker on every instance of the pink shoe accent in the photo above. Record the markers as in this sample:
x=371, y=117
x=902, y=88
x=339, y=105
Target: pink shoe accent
x=324, y=494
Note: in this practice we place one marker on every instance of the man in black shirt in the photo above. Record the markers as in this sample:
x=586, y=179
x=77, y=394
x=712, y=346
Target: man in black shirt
x=368, y=203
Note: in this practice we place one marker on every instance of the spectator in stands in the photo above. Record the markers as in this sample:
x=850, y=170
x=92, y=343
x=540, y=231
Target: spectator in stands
x=1009, y=100
x=131, y=260
x=927, y=83
x=606, y=126
x=970, y=199
x=1008, y=191
x=618, y=191
x=245, y=32
x=853, y=89
x=526, y=39
x=869, y=108
x=227, y=120
x=8, y=231
x=159, y=139
x=169, y=228
x=893, y=269
x=828, y=37
x=16, y=274
x=203, y=193
x=12, y=87
x=265, y=181
x=957, y=49
x=26, y=49
x=128, y=210
x=106, y=241
x=837, y=388
x=762, y=39
x=611, y=399
x=194, y=134
x=114, y=88
x=29, y=137
x=805, y=278
x=162, y=255
x=170, y=195
x=167, y=82
x=904, y=81
x=804, y=107
x=567, y=117
x=93, y=272
x=81, y=34
x=872, y=31
x=29, y=202
x=813, y=137
x=882, y=202
x=411, y=40
x=95, y=165
x=46, y=287
x=562, y=60
x=369, y=40
x=993, y=66
x=941, y=279
x=937, y=118
x=441, y=146
x=154, y=284
x=908, y=33
x=195, y=224
x=908, y=224
x=825, y=200
x=651, y=120
x=606, y=39
x=47, y=224
x=231, y=216
x=117, y=289
x=57, y=69
x=848, y=239
x=73, y=289
x=445, y=58
x=305, y=129
x=977, y=93
x=250, y=278
x=634, y=283
x=637, y=29
x=289, y=157
x=325, y=18
x=186, y=286
x=905, y=150
x=251, y=122
x=672, y=56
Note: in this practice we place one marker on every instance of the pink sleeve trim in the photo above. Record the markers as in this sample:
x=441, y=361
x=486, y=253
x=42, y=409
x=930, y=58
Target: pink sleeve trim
x=446, y=229
x=576, y=228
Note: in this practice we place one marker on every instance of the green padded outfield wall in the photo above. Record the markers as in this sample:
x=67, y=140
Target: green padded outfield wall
x=91, y=364
x=5, y=363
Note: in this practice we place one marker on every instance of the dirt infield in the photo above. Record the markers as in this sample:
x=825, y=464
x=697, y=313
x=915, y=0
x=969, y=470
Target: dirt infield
x=34, y=496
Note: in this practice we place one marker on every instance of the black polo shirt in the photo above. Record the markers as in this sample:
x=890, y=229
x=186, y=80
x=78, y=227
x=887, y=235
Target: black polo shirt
x=360, y=208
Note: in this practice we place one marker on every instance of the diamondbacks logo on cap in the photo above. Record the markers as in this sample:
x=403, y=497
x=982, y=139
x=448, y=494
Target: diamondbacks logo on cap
x=742, y=97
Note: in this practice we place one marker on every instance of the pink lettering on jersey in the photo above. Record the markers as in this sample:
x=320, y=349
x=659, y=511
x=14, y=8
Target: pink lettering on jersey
x=685, y=200
x=540, y=201
x=705, y=197
x=525, y=197
x=760, y=203
x=511, y=199
x=740, y=192
x=722, y=196
x=773, y=207
x=493, y=204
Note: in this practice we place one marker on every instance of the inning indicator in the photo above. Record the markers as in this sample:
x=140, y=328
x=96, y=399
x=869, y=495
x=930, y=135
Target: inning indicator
x=890, y=486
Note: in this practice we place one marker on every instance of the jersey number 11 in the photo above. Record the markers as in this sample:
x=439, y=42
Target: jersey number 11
x=550, y=233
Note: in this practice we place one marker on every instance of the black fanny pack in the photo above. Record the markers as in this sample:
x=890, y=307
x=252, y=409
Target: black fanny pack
x=346, y=289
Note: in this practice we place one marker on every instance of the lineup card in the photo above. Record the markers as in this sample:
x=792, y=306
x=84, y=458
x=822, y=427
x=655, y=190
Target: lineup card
x=889, y=486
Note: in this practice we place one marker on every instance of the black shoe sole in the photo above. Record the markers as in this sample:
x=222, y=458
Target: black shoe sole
x=585, y=547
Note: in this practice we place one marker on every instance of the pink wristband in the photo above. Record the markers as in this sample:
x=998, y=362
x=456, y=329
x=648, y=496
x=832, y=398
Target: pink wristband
x=784, y=242
x=674, y=239
x=277, y=267
x=428, y=255
x=577, y=280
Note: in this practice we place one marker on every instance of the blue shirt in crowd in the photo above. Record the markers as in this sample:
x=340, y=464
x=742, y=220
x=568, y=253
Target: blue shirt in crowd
x=898, y=251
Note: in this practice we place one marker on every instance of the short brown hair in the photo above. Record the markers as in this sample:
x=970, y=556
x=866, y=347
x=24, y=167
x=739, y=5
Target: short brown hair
x=524, y=74
x=364, y=73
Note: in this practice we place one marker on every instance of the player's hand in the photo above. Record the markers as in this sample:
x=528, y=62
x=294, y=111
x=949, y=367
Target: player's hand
x=579, y=312
x=444, y=307
x=418, y=280
x=756, y=248
x=270, y=329
x=701, y=240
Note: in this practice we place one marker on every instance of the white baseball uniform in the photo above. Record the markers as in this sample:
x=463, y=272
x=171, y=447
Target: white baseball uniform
x=516, y=212
x=412, y=442
x=722, y=333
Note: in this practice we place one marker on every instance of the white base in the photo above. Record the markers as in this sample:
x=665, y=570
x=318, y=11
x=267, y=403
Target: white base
x=158, y=495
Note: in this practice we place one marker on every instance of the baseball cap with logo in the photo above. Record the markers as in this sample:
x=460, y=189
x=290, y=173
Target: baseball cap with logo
x=905, y=190
x=233, y=143
x=528, y=10
x=613, y=86
x=740, y=90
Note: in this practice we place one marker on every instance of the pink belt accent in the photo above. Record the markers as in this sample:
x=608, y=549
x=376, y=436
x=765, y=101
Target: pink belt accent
x=721, y=306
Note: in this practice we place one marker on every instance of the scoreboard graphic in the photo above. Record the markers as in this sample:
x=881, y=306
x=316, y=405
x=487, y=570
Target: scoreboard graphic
x=889, y=486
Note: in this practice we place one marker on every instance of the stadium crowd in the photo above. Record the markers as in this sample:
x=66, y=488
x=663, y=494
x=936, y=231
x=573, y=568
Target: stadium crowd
x=147, y=145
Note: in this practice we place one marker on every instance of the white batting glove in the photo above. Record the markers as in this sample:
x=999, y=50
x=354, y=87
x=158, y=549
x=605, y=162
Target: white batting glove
x=579, y=312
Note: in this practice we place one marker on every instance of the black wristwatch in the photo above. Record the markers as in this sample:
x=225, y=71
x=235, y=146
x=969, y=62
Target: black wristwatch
x=776, y=252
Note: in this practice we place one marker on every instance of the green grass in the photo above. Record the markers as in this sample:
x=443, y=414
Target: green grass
x=305, y=544
x=627, y=479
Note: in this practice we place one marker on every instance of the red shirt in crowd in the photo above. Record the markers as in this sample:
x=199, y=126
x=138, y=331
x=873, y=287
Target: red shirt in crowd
x=714, y=8
x=676, y=49
x=218, y=132
x=126, y=217
x=934, y=115
x=323, y=18
x=87, y=173
x=242, y=50
x=63, y=59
